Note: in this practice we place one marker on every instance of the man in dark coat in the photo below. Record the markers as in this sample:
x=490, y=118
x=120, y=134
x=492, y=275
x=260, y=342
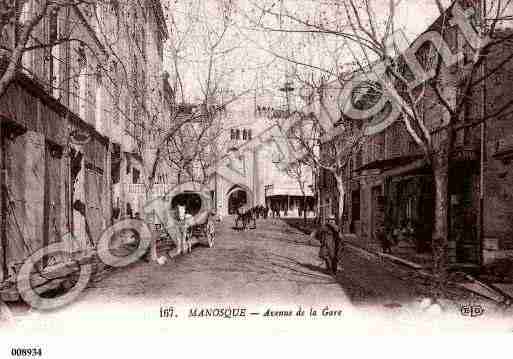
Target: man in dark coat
x=331, y=245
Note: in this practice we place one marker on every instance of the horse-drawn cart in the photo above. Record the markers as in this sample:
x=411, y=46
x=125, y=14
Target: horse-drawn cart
x=184, y=218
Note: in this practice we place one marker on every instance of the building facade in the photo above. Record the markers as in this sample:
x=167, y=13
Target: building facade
x=236, y=180
x=70, y=122
x=390, y=184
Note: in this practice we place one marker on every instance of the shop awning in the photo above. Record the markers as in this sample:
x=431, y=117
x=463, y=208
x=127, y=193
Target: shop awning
x=389, y=163
x=289, y=192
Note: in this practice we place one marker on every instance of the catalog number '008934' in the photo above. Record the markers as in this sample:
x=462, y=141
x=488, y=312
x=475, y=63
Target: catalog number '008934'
x=26, y=352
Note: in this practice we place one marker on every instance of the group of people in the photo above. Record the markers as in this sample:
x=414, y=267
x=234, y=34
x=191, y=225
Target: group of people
x=261, y=211
x=266, y=212
x=276, y=213
x=245, y=215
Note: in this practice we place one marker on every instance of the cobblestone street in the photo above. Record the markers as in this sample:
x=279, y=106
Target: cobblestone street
x=273, y=263
x=272, y=267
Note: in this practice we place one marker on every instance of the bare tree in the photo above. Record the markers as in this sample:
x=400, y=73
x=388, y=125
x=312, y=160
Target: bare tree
x=312, y=147
x=204, y=53
x=368, y=32
x=299, y=171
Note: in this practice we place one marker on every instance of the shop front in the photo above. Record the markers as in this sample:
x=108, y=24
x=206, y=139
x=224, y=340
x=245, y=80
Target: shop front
x=401, y=199
x=409, y=210
x=33, y=177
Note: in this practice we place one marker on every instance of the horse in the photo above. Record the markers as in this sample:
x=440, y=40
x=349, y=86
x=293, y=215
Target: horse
x=244, y=215
x=184, y=222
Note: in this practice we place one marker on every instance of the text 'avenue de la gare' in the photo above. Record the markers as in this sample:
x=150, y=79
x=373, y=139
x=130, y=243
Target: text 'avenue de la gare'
x=239, y=312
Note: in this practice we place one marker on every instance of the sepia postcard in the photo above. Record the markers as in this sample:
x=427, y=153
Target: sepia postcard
x=177, y=169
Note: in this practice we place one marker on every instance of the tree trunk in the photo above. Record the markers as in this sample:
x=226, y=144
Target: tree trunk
x=155, y=236
x=341, y=199
x=440, y=166
x=304, y=208
x=318, y=205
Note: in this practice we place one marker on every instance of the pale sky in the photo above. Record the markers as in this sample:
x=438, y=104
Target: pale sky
x=250, y=64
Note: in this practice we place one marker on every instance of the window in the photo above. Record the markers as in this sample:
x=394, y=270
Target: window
x=82, y=83
x=355, y=205
x=232, y=134
x=127, y=112
x=25, y=14
x=160, y=47
x=409, y=208
x=117, y=94
x=406, y=201
x=358, y=160
x=142, y=41
x=246, y=134
x=88, y=11
x=114, y=6
x=237, y=134
x=53, y=65
x=135, y=175
x=468, y=54
x=98, y=98
x=135, y=65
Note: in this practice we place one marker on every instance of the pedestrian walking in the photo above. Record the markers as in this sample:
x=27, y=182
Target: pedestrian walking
x=381, y=237
x=331, y=245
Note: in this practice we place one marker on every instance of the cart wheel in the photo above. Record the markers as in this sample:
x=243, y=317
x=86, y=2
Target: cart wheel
x=211, y=233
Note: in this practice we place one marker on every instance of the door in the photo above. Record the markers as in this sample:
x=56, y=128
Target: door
x=426, y=214
x=94, y=204
x=463, y=214
x=53, y=205
x=236, y=199
x=355, y=211
x=378, y=209
x=25, y=179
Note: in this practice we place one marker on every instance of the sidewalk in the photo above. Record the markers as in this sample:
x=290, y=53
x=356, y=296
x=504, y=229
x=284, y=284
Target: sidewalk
x=501, y=293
